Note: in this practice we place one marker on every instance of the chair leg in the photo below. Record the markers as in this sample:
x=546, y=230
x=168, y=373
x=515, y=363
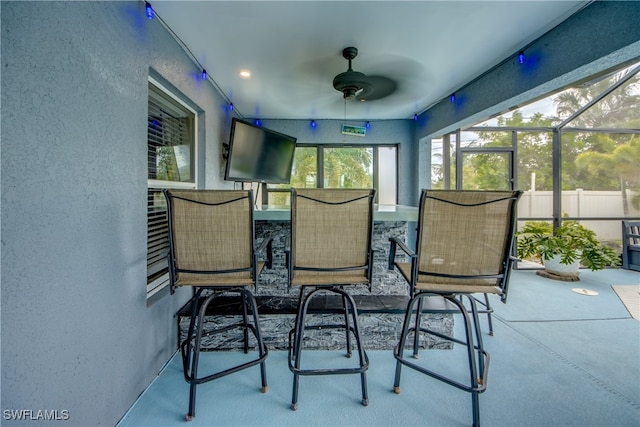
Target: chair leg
x=475, y=404
x=245, y=321
x=399, y=350
x=361, y=353
x=296, y=338
x=416, y=336
x=347, y=328
x=478, y=368
x=473, y=351
x=296, y=346
x=478, y=333
x=489, y=310
x=191, y=414
x=396, y=381
x=262, y=349
x=195, y=356
x=186, y=350
x=190, y=347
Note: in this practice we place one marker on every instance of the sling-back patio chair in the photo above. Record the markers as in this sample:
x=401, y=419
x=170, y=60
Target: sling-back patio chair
x=212, y=251
x=330, y=248
x=463, y=247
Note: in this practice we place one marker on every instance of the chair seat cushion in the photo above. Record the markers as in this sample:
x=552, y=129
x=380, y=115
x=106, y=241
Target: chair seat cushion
x=217, y=280
x=445, y=285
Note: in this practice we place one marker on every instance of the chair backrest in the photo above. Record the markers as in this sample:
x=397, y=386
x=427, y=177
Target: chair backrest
x=211, y=232
x=630, y=233
x=465, y=237
x=331, y=230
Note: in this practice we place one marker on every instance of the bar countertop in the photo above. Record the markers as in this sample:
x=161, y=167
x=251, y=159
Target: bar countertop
x=380, y=213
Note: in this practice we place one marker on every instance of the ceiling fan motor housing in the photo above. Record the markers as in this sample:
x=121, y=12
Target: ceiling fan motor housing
x=351, y=84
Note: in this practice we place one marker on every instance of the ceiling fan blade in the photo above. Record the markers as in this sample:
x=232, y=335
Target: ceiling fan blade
x=380, y=88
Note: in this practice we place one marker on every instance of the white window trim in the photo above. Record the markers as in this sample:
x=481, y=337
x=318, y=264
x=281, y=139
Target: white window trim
x=162, y=282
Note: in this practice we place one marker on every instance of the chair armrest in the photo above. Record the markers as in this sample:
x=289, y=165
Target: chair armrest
x=267, y=245
x=395, y=242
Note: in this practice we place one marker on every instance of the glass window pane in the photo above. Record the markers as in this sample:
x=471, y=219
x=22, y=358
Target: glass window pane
x=485, y=139
x=616, y=110
x=619, y=109
x=348, y=167
x=170, y=138
x=600, y=174
x=485, y=171
x=530, y=115
x=279, y=198
x=535, y=174
x=387, y=176
x=304, y=171
x=453, y=153
x=437, y=164
x=173, y=163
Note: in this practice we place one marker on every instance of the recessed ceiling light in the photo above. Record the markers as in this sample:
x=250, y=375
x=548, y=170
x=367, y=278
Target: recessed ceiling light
x=245, y=74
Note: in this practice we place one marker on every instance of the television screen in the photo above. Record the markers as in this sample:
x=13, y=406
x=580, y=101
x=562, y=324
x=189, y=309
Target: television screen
x=257, y=154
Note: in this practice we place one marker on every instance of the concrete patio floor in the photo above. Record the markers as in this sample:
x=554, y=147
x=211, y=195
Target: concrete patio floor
x=558, y=358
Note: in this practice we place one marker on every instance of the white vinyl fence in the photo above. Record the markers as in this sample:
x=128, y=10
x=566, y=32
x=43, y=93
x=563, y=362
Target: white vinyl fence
x=582, y=204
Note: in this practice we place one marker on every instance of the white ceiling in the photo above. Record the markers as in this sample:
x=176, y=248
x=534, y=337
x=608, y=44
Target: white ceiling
x=294, y=49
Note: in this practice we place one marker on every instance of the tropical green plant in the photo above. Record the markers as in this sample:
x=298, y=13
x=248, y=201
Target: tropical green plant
x=570, y=241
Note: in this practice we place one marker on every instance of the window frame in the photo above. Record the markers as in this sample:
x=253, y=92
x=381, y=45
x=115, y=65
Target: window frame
x=160, y=283
x=320, y=164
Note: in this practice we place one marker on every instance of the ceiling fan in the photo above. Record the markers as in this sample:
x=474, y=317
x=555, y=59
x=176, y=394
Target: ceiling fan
x=356, y=85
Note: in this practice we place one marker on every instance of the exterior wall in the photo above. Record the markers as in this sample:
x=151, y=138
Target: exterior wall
x=77, y=331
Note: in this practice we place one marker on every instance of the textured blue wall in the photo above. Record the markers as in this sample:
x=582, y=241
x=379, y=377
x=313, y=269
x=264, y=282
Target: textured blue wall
x=77, y=331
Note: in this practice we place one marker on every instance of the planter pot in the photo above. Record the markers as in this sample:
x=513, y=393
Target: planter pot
x=554, y=266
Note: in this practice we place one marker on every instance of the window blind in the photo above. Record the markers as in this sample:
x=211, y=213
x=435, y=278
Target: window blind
x=170, y=143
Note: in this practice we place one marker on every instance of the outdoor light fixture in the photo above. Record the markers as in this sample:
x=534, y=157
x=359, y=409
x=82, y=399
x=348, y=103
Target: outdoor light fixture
x=204, y=74
x=149, y=9
x=521, y=57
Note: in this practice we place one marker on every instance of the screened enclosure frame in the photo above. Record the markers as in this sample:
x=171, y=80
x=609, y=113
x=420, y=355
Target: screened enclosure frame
x=557, y=132
x=449, y=149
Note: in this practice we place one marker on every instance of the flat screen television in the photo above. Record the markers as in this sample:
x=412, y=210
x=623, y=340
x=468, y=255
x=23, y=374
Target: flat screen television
x=257, y=154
